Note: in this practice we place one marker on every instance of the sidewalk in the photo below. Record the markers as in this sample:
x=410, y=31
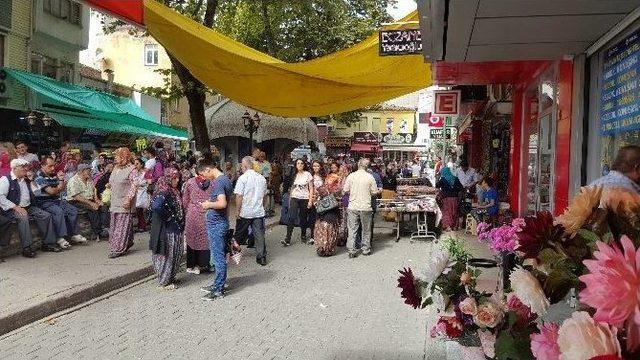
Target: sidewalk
x=32, y=289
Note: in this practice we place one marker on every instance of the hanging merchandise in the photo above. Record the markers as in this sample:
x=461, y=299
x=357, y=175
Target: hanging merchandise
x=346, y=80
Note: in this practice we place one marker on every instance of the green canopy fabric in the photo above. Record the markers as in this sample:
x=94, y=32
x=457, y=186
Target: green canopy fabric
x=76, y=106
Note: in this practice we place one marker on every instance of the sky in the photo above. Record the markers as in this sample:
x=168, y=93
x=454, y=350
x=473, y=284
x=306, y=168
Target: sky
x=402, y=8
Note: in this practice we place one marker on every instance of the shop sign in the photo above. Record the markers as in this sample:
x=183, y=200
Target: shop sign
x=423, y=118
x=365, y=137
x=337, y=142
x=441, y=133
x=619, y=99
x=447, y=102
x=436, y=121
x=400, y=42
x=141, y=144
x=398, y=139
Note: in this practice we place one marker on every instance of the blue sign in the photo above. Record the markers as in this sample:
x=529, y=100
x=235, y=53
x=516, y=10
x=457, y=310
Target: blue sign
x=620, y=91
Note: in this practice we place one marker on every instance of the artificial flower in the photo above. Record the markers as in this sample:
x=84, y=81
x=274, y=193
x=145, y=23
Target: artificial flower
x=465, y=278
x=482, y=228
x=620, y=200
x=488, y=315
x=524, y=313
x=613, y=287
x=500, y=239
x=538, y=232
x=409, y=293
x=468, y=306
x=528, y=290
x=439, y=263
x=544, y=345
x=581, y=338
x=518, y=223
x=448, y=326
x=606, y=357
x=582, y=206
x=487, y=342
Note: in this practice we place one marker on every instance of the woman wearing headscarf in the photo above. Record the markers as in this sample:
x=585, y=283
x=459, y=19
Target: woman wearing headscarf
x=123, y=185
x=450, y=187
x=327, y=224
x=196, y=190
x=167, y=224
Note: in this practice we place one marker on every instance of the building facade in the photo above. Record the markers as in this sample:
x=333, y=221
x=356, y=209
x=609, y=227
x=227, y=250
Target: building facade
x=15, y=34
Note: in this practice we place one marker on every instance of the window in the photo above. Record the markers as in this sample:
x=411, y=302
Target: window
x=44, y=65
x=1, y=50
x=151, y=54
x=67, y=10
x=66, y=72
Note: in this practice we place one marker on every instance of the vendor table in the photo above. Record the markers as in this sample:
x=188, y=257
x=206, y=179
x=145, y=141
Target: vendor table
x=421, y=206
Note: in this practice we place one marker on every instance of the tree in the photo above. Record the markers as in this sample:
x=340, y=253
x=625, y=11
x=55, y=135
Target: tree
x=290, y=30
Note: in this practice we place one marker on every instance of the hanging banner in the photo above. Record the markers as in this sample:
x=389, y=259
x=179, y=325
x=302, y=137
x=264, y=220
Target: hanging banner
x=439, y=134
x=400, y=42
x=365, y=137
x=396, y=139
x=619, y=94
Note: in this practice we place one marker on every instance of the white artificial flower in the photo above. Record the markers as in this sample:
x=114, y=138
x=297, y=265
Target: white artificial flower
x=580, y=337
x=528, y=290
x=438, y=264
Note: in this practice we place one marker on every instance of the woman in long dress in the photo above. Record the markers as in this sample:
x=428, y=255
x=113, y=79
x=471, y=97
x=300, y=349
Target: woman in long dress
x=122, y=183
x=196, y=190
x=326, y=229
x=450, y=187
x=317, y=171
x=167, y=224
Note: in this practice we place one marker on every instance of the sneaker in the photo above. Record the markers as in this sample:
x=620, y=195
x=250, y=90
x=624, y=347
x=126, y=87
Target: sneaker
x=207, y=289
x=285, y=243
x=353, y=255
x=212, y=296
x=366, y=253
x=28, y=253
x=195, y=270
x=79, y=239
x=171, y=286
x=64, y=244
x=51, y=248
x=310, y=242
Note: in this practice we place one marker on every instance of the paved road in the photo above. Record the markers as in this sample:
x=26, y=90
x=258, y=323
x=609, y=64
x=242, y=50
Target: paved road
x=300, y=306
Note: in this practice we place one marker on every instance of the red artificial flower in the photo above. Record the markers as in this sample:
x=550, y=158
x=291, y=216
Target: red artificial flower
x=450, y=326
x=409, y=293
x=537, y=232
x=606, y=357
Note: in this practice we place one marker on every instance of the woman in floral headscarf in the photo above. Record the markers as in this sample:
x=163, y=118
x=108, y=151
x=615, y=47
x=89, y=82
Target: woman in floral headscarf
x=196, y=190
x=123, y=185
x=167, y=224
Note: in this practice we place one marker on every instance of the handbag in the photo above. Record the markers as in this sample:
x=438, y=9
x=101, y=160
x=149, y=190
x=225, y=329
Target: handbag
x=326, y=203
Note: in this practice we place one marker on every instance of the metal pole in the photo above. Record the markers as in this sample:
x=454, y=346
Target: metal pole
x=251, y=138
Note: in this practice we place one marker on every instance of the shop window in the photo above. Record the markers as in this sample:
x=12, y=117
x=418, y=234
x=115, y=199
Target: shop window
x=151, y=54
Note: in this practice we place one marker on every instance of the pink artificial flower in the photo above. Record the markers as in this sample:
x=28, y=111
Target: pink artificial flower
x=525, y=315
x=544, y=345
x=518, y=223
x=482, y=227
x=613, y=288
x=468, y=306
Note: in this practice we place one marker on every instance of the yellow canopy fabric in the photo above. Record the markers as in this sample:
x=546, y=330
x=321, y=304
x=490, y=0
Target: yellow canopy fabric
x=346, y=80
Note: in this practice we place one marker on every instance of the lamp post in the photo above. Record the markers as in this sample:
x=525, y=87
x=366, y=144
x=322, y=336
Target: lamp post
x=32, y=121
x=251, y=125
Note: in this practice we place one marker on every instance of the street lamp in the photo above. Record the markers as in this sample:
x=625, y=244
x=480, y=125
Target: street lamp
x=32, y=121
x=251, y=125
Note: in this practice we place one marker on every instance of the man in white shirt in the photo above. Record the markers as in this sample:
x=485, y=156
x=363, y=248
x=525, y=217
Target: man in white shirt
x=361, y=186
x=468, y=176
x=16, y=200
x=416, y=169
x=250, y=191
x=22, y=150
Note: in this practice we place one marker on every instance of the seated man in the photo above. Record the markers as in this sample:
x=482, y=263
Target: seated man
x=16, y=201
x=81, y=193
x=491, y=204
x=48, y=189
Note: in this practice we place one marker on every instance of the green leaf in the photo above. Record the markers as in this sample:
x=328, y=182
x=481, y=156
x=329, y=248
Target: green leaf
x=550, y=257
x=513, y=347
x=590, y=237
x=428, y=301
x=558, y=283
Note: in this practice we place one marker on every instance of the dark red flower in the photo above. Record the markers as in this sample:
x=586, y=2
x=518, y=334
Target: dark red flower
x=537, y=233
x=409, y=293
x=606, y=357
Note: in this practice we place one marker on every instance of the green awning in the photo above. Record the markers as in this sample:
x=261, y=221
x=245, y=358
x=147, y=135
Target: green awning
x=76, y=106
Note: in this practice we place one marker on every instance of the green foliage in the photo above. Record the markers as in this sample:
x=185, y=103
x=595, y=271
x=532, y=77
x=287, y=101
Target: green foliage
x=513, y=346
x=456, y=248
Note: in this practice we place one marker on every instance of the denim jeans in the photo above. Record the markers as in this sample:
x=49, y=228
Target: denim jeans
x=216, y=232
x=63, y=215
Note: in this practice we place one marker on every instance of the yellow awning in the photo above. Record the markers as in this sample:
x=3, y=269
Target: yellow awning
x=346, y=80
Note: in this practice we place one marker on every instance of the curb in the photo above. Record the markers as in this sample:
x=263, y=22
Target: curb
x=66, y=301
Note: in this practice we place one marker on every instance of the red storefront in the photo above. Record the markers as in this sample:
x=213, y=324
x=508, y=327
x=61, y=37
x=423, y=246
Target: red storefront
x=540, y=125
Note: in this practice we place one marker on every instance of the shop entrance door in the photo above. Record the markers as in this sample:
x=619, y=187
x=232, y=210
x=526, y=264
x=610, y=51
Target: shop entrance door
x=540, y=135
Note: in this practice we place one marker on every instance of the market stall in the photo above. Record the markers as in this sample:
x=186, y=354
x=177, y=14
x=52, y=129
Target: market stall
x=415, y=198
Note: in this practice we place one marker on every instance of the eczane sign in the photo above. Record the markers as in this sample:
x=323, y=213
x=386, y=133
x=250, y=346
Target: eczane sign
x=400, y=42
x=447, y=102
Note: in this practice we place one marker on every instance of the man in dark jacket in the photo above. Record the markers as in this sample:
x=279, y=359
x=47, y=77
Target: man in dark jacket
x=16, y=199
